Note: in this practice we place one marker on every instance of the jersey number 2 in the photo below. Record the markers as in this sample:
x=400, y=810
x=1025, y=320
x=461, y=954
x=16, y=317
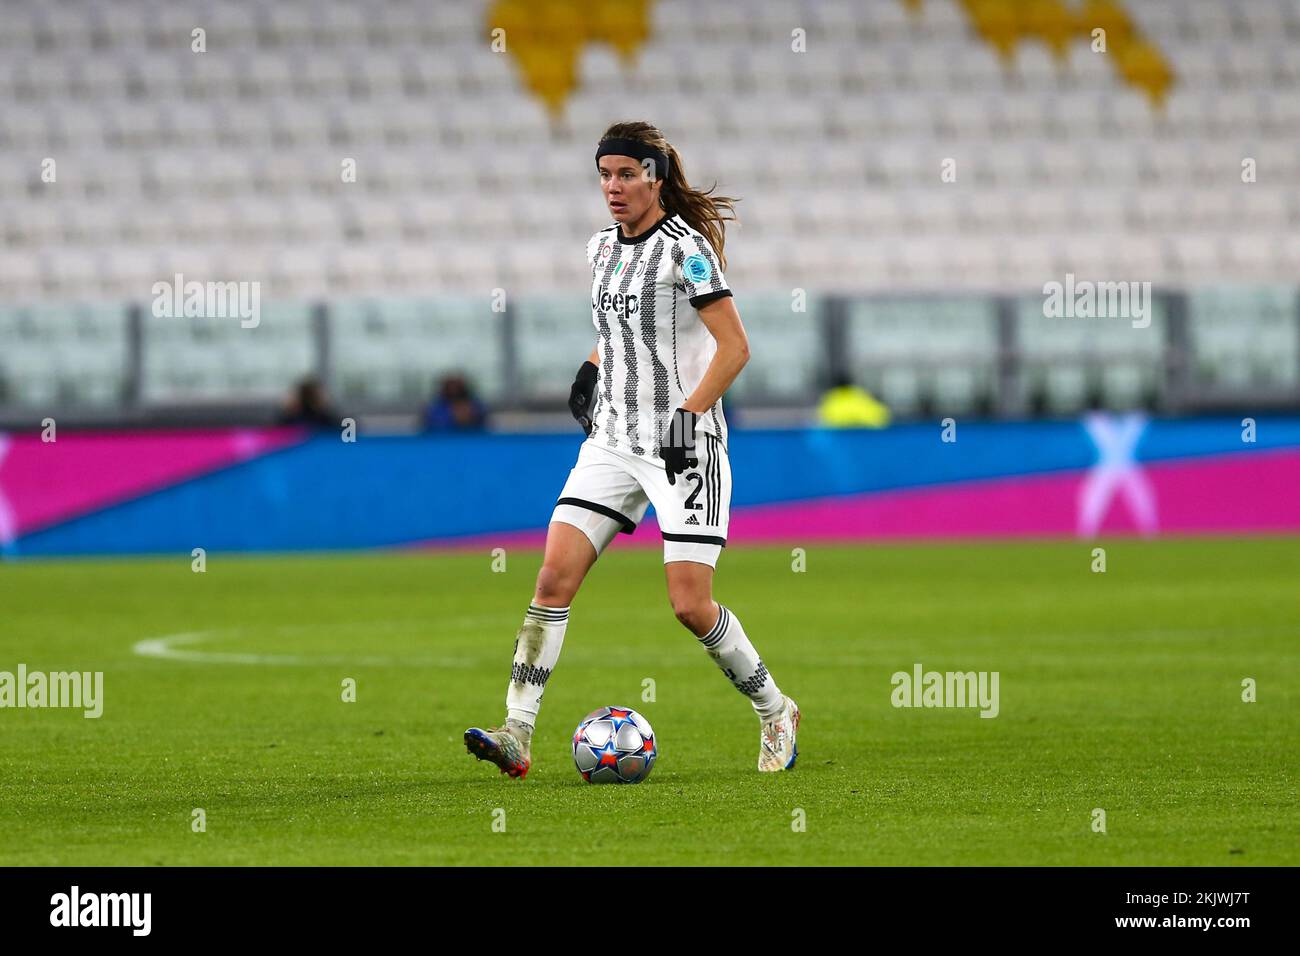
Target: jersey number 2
x=696, y=477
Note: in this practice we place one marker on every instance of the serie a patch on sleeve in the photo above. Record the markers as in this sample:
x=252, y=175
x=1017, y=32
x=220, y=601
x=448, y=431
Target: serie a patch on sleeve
x=697, y=268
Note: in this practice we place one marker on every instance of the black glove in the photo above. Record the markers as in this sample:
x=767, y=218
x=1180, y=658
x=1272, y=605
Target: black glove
x=677, y=448
x=583, y=394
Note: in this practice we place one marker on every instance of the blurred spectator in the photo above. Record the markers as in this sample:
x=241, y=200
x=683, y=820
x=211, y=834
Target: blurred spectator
x=847, y=405
x=308, y=404
x=454, y=408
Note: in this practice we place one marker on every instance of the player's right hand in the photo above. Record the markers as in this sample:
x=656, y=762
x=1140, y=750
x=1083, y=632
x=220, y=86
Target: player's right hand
x=677, y=447
x=583, y=394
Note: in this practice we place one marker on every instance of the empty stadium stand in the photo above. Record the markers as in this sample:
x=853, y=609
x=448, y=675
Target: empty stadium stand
x=127, y=157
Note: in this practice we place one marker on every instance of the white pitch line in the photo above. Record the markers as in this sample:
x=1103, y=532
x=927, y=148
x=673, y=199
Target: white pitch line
x=170, y=648
x=165, y=648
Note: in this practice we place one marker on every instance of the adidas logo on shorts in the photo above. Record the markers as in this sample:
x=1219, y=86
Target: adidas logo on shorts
x=692, y=520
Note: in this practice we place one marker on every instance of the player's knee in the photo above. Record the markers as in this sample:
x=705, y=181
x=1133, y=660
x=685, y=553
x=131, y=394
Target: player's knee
x=556, y=587
x=696, y=614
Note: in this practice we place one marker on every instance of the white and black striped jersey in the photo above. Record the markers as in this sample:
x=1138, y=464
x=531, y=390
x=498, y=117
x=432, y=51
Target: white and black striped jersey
x=645, y=295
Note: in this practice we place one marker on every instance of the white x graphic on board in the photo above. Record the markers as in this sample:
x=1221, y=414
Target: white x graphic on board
x=1117, y=472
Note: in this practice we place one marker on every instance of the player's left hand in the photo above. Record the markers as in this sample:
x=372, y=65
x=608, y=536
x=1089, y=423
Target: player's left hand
x=677, y=448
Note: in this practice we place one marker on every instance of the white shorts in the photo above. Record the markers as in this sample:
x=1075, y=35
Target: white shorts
x=609, y=490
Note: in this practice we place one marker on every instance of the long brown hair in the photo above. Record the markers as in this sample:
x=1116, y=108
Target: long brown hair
x=703, y=211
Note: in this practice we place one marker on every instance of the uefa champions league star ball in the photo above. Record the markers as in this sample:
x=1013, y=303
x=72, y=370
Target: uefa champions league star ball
x=614, y=745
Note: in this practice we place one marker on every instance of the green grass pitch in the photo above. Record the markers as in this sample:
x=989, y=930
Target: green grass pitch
x=1119, y=690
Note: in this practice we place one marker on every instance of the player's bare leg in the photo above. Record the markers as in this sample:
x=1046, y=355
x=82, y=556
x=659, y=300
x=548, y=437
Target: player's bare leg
x=690, y=590
x=569, y=556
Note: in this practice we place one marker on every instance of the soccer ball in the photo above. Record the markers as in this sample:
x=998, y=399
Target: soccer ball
x=614, y=745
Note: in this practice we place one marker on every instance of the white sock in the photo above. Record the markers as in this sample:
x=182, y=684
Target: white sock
x=735, y=655
x=537, y=648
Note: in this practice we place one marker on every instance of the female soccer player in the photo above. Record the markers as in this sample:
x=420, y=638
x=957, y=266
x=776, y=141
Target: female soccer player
x=669, y=343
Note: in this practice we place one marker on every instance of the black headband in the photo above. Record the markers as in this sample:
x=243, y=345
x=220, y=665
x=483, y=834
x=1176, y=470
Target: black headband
x=637, y=150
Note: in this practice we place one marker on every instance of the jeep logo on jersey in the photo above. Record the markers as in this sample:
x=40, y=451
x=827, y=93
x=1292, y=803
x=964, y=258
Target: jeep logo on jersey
x=626, y=304
x=697, y=268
